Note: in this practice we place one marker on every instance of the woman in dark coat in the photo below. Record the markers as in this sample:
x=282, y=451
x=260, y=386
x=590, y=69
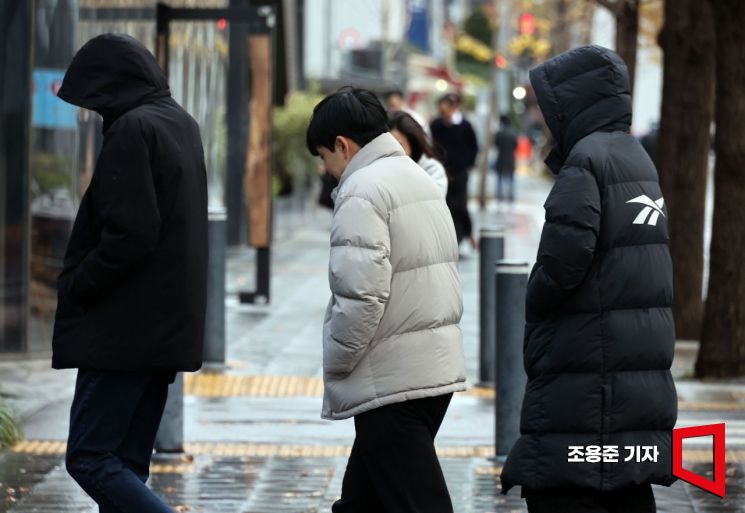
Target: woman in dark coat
x=599, y=340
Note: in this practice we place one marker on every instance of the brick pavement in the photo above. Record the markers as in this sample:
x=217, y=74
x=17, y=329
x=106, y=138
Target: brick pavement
x=257, y=443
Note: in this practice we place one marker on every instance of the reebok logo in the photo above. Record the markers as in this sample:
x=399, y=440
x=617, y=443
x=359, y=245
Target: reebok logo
x=651, y=211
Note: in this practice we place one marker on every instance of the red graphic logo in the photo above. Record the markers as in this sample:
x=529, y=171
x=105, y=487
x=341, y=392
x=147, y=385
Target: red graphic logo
x=717, y=487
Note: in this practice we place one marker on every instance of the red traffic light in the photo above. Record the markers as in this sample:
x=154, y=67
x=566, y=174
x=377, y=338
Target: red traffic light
x=222, y=23
x=527, y=23
x=500, y=61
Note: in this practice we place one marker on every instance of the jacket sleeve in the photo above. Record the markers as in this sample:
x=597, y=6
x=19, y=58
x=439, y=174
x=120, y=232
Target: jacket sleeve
x=567, y=246
x=360, y=280
x=124, y=201
x=440, y=178
x=436, y=171
x=472, y=144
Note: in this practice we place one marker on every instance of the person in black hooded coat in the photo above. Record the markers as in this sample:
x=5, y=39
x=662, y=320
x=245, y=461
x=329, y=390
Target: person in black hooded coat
x=599, y=339
x=132, y=294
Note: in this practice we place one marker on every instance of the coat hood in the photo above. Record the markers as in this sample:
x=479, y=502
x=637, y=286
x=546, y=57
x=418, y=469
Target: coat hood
x=582, y=91
x=111, y=74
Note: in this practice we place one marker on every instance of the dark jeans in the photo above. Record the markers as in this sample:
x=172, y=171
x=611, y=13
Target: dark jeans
x=506, y=181
x=113, y=423
x=393, y=467
x=633, y=499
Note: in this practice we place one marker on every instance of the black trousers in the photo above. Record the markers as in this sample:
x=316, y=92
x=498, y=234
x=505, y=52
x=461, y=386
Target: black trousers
x=393, y=466
x=633, y=499
x=457, y=201
x=113, y=423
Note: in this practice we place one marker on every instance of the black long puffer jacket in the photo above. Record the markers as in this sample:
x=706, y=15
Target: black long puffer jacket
x=599, y=339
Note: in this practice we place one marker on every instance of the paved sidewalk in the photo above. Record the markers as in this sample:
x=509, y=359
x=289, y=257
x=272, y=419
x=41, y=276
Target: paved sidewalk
x=243, y=484
x=256, y=442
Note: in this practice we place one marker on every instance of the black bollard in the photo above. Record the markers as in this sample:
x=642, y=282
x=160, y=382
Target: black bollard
x=214, y=326
x=511, y=281
x=491, y=250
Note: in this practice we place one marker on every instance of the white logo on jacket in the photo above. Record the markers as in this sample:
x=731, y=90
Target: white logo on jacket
x=652, y=210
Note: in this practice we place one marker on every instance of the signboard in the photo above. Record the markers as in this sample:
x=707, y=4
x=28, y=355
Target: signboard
x=48, y=110
x=417, y=32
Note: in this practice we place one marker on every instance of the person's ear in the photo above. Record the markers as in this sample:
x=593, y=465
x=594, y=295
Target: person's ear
x=342, y=145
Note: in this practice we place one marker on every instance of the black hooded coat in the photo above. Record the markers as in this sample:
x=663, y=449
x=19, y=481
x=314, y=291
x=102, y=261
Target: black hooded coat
x=132, y=293
x=599, y=339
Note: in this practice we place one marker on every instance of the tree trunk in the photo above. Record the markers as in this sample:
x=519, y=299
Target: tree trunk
x=627, y=33
x=586, y=23
x=687, y=39
x=722, y=352
x=561, y=28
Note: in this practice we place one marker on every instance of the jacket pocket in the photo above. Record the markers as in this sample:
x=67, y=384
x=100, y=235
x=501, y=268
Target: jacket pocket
x=67, y=306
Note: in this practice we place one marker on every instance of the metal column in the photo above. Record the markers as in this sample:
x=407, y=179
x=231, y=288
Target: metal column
x=491, y=246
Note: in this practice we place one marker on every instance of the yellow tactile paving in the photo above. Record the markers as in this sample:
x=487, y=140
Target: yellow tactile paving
x=482, y=392
x=489, y=393
x=489, y=471
x=42, y=447
x=228, y=385
x=711, y=406
x=225, y=385
x=180, y=468
x=705, y=456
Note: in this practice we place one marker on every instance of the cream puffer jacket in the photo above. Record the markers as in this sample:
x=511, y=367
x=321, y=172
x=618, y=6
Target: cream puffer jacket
x=436, y=171
x=391, y=332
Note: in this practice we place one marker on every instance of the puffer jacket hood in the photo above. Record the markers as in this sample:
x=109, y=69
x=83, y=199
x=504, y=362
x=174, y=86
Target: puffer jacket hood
x=112, y=74
x=582, y=91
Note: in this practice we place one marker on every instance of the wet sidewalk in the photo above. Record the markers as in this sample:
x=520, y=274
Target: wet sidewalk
x=295, y=484
x=255, y=440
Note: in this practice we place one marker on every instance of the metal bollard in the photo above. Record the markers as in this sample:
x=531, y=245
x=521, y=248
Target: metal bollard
x=214, y=325
x=491, y=250
x=511, y=281
x=170, y=437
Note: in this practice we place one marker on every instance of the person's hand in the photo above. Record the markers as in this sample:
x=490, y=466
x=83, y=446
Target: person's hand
x=67, y=305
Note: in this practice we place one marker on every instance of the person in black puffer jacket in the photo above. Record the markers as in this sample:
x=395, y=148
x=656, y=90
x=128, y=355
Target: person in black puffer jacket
x=599, y=339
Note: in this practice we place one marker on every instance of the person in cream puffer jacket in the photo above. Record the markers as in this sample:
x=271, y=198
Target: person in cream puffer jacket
x=391, y=331
x=392, y=345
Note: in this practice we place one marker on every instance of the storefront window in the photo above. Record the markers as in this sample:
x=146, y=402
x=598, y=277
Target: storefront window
x=15, y=111
x=53, y=179
x=48, y=148
x=198, y=69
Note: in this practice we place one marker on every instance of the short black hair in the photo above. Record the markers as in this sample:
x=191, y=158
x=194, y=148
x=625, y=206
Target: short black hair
x=349, y=112
x=449, y=98
x=393, y=92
